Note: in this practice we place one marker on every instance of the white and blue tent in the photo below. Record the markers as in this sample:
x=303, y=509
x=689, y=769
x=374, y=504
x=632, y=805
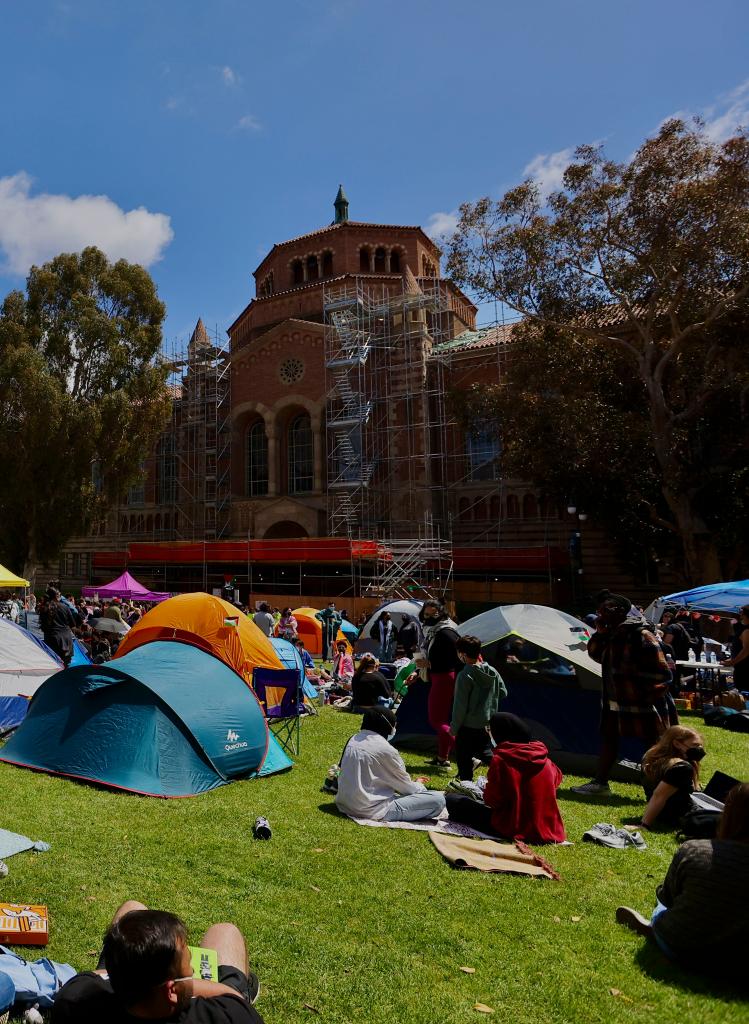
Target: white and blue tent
x=25, y=663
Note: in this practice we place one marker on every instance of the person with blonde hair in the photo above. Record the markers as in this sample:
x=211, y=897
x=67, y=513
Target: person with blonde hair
x=700, y=919
x=671, y=772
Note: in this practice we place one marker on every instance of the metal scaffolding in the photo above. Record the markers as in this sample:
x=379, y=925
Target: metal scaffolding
x=186, y=489
x=387, y=421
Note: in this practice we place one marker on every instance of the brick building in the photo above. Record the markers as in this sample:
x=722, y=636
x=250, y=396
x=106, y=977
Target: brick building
x=318, y=452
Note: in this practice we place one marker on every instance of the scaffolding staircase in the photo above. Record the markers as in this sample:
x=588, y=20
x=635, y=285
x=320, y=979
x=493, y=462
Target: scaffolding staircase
x=349, y=345
x=406, y=569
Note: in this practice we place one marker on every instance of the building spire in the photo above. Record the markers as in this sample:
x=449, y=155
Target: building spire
x=341, y=206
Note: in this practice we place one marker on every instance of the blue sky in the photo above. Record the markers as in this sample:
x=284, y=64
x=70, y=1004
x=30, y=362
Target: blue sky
x=210, y=130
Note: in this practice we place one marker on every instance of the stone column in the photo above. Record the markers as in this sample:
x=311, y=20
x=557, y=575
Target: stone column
x=319, y=266
x=317, y=481
x=305, y=275
x=272, y=465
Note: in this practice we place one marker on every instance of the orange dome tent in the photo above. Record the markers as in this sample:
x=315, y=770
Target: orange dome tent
x=310, y=630
x=211, y=624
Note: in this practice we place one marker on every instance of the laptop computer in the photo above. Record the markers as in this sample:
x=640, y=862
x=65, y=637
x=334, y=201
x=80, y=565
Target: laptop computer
x=713, y=796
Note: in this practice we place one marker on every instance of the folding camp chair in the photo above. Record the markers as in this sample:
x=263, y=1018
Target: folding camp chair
x=280, y=693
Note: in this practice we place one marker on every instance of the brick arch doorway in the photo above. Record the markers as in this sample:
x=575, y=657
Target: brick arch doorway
x=286, y=529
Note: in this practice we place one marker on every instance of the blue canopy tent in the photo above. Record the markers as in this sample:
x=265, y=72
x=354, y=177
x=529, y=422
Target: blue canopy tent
x=166, y=720
x=719, y=598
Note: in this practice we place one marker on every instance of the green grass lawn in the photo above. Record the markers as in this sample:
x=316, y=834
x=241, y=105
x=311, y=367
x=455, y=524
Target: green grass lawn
x=364, y=924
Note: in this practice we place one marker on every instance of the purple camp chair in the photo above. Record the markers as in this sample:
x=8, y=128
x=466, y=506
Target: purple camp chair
x=280, y=693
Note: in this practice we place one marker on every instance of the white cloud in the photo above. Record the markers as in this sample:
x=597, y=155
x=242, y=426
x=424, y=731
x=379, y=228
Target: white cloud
x=724, y=117
x=34, y=228
x=230, y=76
x=728, y=114
x=547, y=170
x=441, y=224
x=248, y=123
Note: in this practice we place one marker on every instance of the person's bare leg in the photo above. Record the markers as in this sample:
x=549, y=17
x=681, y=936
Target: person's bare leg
x=228, y=942
x=126, y=907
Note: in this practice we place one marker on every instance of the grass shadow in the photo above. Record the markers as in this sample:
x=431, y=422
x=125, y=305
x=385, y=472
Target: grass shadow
x=658, y=967
x=609, y=800
x=330, y=808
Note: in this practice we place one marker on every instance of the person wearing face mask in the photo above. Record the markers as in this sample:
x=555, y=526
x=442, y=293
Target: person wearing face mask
x=373, y=781
x=671, y=771
x=440, y=664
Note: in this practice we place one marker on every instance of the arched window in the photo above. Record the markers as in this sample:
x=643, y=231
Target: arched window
x=157, y=522
x=395, y=261
x=380, y=262
x=364, y=258
x=297, y=272
x=300, y=455
x=464, y=510
x=481, y=510
x=482, y=449
x=257, y=460
x=166, y=471
x=495, y=508
x=513, y=506
x=327, y=264
x=530, y=507
x=312, y=270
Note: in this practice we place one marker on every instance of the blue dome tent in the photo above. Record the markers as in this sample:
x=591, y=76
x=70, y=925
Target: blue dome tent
x=166, y=720
x=292, y=659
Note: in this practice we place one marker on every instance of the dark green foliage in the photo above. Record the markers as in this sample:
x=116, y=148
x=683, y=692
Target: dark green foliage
x=628, y=381
x=82, y=397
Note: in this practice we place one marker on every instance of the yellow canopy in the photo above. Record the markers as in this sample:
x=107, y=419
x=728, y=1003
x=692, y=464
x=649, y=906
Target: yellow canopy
x=9, y=579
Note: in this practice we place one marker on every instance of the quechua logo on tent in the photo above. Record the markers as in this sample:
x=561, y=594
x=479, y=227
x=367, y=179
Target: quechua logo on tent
x=233, y=742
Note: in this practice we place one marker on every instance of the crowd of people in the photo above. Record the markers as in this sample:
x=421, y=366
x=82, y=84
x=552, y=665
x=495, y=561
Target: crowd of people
x=144, y=971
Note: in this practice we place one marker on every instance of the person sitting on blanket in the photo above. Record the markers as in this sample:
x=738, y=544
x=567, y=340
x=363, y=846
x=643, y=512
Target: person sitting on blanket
x=373, y=781
x=698, y=920
x=520, y=798
x=145, y=973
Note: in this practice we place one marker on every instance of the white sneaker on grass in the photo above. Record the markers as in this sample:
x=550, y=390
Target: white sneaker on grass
x=592, y=789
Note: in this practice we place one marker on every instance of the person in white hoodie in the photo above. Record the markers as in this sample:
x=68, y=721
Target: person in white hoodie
x=373, y=782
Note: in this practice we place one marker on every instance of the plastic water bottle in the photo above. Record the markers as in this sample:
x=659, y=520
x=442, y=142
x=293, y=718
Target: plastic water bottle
x=703, y=658
x=713, y=658
x=690, y=656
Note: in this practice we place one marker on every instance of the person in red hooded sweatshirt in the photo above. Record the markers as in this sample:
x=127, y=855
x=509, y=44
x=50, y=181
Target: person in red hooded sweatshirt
x=520, y=798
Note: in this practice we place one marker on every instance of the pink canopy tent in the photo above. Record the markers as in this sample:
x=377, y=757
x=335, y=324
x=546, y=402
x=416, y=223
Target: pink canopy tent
x=125, y=587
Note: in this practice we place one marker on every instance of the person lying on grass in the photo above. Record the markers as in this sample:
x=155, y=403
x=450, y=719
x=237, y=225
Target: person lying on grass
x=671, y=773
x=373, y=781
x=145, y=973
x=520, y=798
x=700, y=919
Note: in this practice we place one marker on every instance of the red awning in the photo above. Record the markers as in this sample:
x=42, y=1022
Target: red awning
x=309, y=549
